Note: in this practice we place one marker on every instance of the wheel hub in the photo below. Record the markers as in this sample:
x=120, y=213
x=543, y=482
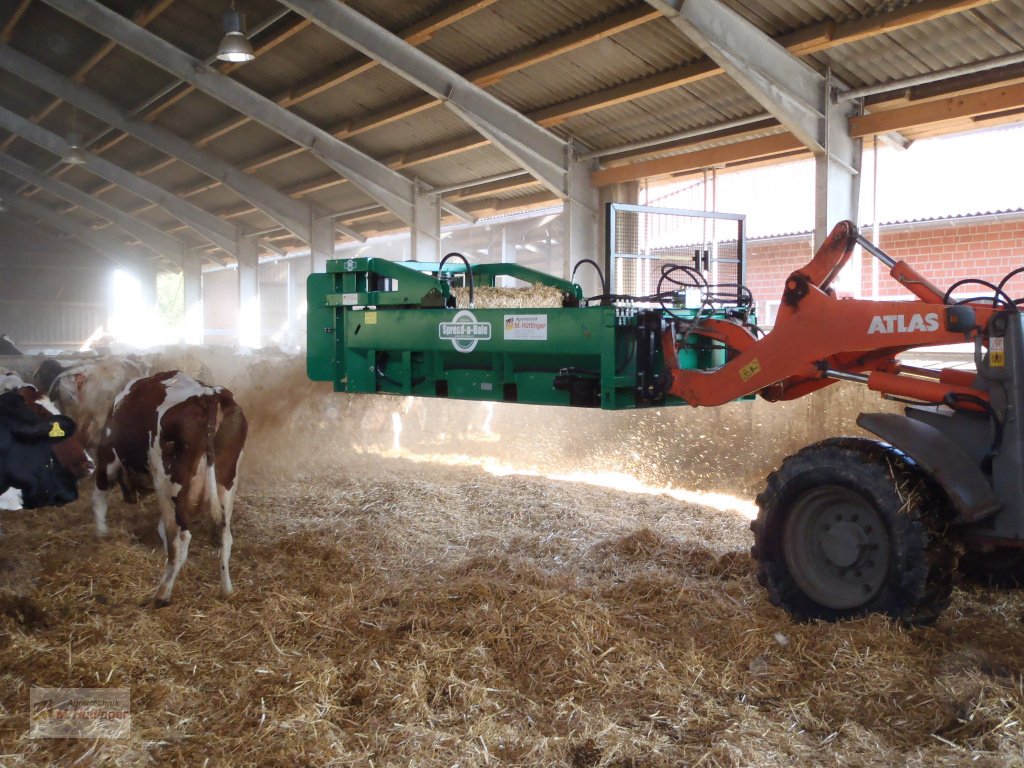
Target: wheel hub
x=836, y=547
x=844, y=544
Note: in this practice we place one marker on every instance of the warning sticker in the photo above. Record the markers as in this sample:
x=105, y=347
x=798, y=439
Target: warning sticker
x=750, y=370
x=526, y=327
x=997, y=352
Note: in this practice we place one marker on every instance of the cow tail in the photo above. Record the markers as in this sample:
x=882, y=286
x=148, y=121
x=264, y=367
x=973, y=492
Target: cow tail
x=211, y=466
x=228, y=431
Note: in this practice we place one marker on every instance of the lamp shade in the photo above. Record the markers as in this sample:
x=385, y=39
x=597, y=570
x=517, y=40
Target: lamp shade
x=74, y=154
x=235, y=46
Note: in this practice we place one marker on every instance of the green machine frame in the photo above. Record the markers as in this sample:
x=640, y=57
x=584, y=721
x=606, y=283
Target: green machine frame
x=379, y=326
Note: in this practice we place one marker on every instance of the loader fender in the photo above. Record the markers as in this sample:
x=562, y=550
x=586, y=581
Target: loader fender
x=946, y=462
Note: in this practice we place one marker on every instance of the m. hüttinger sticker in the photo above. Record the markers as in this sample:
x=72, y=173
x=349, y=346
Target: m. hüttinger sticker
x=526, y=327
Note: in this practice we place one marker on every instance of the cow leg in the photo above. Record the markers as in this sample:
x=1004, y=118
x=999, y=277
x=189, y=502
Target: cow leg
x=108, y=468
x=222, y=500
x=174, y=518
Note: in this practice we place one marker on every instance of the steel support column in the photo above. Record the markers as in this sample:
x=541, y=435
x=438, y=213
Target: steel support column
x=193, y=293
x=321, y=246
x=426, y=230
x=248, y=294
x=582, y=219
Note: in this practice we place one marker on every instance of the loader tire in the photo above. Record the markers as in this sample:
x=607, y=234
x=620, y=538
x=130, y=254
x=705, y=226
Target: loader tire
x=849, y=527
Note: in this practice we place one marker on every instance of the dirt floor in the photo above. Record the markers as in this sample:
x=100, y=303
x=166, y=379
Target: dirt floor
x=412, y=608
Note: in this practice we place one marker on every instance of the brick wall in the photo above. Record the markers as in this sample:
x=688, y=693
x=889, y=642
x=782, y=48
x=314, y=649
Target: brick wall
x=943, y=252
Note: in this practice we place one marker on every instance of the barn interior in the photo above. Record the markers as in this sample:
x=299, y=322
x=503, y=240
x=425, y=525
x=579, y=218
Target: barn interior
x=440, y=582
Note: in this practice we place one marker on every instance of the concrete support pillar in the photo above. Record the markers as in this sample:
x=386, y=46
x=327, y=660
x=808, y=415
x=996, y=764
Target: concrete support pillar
x=248, y=294
x=321, y=246
x=193, y=292
x=426, y=231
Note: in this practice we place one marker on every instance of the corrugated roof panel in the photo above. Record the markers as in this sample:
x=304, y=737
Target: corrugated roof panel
x=293, y=170
x=505, y=28
x=435, y=126
x=309, y=51
x=659, y=44
x=557, y=81
x=398, y=14
x=704, y=103
x=193, y=115
x=371, y=92
x=130, y=153
x=247, y=143
x=910, y=52
x=338, y=198
x=475, y=164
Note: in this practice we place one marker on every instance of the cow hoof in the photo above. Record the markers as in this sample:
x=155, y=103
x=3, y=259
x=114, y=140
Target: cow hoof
x=159, y=602
x=102, y=533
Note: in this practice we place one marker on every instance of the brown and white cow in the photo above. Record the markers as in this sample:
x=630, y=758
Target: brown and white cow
x=176, y=436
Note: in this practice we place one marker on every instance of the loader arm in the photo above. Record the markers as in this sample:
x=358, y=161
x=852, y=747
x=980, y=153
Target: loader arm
x=819, y=339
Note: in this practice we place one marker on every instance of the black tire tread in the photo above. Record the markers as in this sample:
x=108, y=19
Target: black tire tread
x=920, y=592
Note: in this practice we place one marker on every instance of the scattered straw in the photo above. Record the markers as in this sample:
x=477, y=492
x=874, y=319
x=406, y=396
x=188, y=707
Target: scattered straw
x=392, y=613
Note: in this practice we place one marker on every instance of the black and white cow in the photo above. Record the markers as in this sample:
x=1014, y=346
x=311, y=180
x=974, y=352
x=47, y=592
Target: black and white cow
x=30, y=474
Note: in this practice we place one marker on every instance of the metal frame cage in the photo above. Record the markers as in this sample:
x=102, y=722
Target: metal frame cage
x=642, y=242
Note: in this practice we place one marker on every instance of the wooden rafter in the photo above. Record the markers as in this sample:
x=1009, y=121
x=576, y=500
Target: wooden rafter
x=8, y=30
x=751, y=149
x=990, y=101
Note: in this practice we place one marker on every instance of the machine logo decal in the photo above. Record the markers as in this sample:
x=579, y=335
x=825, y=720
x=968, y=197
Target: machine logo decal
x=350, y=265
x=464, y=331
x=903, y=324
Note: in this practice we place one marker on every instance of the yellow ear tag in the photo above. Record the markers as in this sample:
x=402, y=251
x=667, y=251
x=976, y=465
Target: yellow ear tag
x=56, y=431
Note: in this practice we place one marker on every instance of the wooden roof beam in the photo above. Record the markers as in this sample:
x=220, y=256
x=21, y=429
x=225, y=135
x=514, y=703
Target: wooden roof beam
x=993, y=100
x=8, y=30
x=692, y=161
